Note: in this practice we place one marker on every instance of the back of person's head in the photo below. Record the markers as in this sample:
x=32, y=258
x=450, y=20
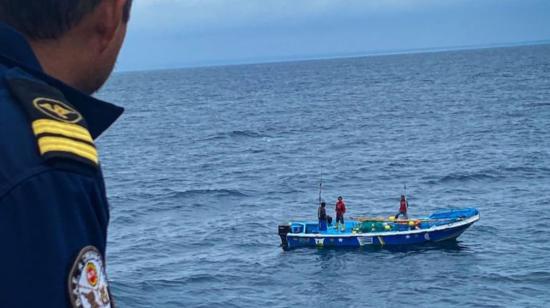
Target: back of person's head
x=76, y=41
x=340, y=198
x=323, y=204
x=48, y=19
x=402, y=196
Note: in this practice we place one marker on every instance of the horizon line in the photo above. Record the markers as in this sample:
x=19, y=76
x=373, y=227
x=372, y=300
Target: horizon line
x=351, y=55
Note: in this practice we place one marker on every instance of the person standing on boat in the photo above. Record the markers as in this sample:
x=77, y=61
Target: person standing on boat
x=322, y=216
x=340, y=210
x=403, y=206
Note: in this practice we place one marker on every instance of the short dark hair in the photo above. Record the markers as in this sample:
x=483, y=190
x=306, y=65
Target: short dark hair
x=48, y=19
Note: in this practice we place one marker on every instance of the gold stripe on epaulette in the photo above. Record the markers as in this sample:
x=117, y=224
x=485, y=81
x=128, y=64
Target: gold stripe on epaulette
x=44, y=126
x=60, y=144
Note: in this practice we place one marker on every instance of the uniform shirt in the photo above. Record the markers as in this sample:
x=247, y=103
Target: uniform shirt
x=53, y=206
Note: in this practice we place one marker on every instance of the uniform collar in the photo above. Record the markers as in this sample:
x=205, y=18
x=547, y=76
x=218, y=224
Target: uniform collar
x=15, y=51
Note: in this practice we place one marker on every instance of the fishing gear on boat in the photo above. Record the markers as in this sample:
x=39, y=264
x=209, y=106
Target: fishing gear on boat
x=363, y=219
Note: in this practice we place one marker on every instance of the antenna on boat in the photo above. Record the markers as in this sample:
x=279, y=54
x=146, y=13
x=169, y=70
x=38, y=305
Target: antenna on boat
x=321, y=189
x=406, y=198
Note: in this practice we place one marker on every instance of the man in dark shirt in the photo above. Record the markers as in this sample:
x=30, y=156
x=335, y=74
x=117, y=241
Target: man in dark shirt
x=53, y=206
x=322, y=216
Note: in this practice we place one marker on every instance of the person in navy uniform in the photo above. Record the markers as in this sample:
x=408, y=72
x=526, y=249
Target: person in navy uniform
x=53, y=208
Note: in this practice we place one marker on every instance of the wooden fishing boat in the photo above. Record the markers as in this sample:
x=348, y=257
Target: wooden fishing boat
x=438, y=227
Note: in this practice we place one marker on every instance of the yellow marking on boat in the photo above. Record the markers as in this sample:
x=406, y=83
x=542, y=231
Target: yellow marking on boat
x=381, y=241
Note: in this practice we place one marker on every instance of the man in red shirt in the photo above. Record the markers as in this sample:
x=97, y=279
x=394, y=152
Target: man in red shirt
x=403, y=205
x=340, y=210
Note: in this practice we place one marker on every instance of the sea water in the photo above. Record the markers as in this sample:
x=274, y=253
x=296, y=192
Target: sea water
x=206, y=162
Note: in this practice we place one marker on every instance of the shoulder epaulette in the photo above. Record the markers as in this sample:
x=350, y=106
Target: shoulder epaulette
x=60, y=130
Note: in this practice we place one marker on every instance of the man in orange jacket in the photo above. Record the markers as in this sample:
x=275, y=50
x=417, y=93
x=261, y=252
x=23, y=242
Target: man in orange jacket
x=403, y=206
x=340, y=210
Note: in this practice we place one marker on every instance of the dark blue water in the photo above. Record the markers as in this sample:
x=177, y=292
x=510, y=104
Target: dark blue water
x=207, y=162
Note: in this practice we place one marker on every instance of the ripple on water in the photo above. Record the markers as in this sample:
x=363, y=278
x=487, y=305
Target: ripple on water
x=205, y=163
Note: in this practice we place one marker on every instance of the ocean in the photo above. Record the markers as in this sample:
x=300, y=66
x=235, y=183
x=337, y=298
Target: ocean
x=206, y=163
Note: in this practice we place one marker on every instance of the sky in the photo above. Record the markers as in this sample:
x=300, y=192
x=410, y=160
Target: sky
x=186, y=33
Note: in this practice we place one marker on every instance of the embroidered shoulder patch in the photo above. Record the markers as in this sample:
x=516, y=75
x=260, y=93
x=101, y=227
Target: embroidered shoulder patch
x=57, y=110
x=60, y=130
x=88, y=284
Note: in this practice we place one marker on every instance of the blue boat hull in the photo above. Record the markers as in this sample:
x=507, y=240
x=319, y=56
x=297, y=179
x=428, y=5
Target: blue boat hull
x=354, y=240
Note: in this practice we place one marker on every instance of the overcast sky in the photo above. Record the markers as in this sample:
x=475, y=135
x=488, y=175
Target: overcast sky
x=180, y=33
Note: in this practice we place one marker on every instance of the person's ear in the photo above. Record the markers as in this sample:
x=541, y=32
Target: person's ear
x=109, y=18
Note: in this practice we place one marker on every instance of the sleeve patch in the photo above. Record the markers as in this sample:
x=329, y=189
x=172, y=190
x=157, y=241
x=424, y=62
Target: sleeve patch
x=88, y=283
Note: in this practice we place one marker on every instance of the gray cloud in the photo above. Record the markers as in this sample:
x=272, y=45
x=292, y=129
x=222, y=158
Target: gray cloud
x=171, y=33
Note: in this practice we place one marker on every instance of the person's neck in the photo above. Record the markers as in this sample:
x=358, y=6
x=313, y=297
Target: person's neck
x=61, y=60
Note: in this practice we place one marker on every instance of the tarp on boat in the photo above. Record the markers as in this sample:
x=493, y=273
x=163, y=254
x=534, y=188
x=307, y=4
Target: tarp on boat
x=436, y=219
x=454, y=214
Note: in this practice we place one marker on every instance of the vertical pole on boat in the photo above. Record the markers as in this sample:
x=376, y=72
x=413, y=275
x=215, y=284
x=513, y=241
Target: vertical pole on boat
x=406, y=197
x=320, y=190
